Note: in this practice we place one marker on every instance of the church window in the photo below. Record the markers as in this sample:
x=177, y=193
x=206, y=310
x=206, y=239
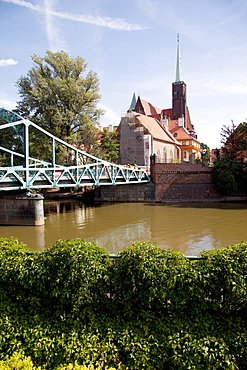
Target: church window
x=164, y=155
x=171, y=155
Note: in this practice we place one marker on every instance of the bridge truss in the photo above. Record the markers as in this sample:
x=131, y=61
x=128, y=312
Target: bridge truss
x=22, y=170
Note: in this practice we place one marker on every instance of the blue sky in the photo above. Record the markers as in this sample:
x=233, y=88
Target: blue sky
x=131, y=45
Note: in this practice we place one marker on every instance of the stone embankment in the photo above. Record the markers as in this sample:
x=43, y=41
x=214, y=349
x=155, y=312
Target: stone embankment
x=171, y=182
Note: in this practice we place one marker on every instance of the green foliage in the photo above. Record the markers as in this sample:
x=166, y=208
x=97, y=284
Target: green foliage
x=9, y=140
x=230, y=176
x=234, y=140
x=17, y=361
x=230, y=170
x=141, y=277
x=61, y=97
x=83, y=367
x=71, y=307
x=108, y=145
x=12, y=244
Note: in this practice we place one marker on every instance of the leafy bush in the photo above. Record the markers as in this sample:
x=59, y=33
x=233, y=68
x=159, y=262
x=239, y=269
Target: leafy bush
x=11, y=243
x=230, y=176
x=17, y=362
x=83, y=367
x=72, y=307
x=142, y=278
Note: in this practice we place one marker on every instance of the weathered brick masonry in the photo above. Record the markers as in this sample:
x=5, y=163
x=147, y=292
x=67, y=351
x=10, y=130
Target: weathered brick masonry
x=172, y=182
x=126, y=193
x=182, y=181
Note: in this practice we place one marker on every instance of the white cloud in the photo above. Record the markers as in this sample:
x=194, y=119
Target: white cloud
x=110, y=117
x=6, y=101
x=27, y=4
x=112, y=23
x=54, y=36
x=7, y=62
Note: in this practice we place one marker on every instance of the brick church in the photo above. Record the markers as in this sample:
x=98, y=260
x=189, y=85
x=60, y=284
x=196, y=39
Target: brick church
x=146, y=130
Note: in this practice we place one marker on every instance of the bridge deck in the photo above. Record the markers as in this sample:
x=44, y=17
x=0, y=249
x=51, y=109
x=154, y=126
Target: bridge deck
x=36, y=173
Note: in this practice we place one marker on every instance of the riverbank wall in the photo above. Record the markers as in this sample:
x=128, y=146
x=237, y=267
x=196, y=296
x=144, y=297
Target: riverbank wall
x=171, y=182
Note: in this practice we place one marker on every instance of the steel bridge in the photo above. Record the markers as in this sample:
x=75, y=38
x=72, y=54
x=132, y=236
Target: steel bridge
x=23, y=170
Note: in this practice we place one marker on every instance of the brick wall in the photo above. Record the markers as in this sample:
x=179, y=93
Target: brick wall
x=182, y=181
x=126, y=193
x=172, y=182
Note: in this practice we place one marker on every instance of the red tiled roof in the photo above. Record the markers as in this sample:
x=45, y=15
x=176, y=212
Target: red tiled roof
x=168, y=132
x=167, y=113
x=181, y=132
x=148, y=108
x=155, y=129
x=189, y=125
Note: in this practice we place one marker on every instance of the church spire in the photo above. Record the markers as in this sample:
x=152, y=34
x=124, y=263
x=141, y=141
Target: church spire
x=179, y=92
x=178, y=65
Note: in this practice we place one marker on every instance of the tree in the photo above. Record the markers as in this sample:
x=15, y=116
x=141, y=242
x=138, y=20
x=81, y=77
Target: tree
x=234, y=140
x=227, y=175
x=10, y=140
x=109, y=145
x=230, y=171
x=60, y=96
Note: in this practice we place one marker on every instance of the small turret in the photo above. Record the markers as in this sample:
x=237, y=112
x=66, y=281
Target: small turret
x=133, y=102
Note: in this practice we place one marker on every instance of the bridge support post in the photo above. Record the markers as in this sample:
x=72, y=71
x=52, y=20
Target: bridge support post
x=26, y=210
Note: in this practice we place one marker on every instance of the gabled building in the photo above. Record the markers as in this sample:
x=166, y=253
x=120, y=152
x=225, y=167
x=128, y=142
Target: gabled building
x=168, y=133
x=142, y=136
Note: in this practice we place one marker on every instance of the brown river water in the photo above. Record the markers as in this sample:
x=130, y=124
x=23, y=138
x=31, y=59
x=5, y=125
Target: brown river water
x=185, y=227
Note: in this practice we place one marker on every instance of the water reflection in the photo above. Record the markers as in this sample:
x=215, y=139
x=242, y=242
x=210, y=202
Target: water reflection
x=188, y=228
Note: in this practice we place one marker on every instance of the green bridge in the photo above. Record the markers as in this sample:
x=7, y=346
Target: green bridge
x=26, y=172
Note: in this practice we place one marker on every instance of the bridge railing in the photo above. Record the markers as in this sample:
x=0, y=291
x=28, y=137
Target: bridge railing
x=26, y=172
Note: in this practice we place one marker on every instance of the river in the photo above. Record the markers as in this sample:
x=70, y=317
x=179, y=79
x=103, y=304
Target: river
x=185, y=227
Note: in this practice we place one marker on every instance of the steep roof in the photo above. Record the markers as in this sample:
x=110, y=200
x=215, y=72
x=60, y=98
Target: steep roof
x=155, y=129
x=167, y=113
x=146, y=108
x=182, y=133
x=189, y=125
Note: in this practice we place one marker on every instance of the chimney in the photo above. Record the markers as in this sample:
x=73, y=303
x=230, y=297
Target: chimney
x=164, y=122
x=181, y=121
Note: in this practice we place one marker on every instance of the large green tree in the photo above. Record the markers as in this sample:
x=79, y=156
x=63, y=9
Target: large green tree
x=61, y=96
x=230, y=169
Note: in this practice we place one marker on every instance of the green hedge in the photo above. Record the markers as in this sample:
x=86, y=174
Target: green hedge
x=73, y=307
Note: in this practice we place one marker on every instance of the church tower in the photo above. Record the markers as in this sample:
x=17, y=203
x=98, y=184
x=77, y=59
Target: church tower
x=178, y=91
